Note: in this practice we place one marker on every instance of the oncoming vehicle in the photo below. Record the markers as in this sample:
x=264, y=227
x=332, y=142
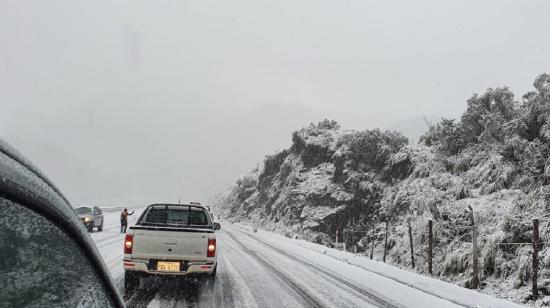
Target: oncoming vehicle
x=171, y=240
x=92, y=218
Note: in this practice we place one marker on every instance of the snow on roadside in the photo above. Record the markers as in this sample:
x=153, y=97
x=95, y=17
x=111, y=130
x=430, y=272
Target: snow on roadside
x=429, y=285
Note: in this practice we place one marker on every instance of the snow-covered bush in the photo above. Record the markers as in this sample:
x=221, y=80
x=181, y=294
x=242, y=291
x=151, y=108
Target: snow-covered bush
x=399, y=166
x=536, y=106
x=523, y=266
x=315, y=154
x=447, y=136
x=371, y=149
x=489, y=118
x=246, y=186
x=328, y=125
x=315, y=143
x=272, y=163
x=493, y=257
x=457, y=261
x=485, y=115
x=515, y=230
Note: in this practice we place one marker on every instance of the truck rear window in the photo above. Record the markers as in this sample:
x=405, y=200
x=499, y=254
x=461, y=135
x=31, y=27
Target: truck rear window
x=177, y=215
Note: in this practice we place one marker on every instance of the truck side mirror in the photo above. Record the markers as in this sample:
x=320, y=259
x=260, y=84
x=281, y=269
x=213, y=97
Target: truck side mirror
x=217, y=226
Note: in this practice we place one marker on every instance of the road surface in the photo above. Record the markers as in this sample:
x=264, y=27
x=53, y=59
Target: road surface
x=254, y=271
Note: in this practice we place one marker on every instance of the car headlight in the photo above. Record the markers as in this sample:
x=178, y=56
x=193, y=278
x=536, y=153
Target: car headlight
x=87, y=219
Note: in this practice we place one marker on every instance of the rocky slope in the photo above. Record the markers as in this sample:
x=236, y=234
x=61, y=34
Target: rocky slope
x=494, y=161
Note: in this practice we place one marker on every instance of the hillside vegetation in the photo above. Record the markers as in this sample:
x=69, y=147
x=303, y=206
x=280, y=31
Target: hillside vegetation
x=494, y=159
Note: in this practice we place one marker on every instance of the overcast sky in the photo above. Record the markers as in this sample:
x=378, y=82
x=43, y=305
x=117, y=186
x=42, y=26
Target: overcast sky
x=101, y=66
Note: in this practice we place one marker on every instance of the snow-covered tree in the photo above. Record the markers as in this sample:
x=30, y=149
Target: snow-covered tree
x=486, y=116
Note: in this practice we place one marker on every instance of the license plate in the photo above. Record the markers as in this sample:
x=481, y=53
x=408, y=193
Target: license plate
x=168, y=266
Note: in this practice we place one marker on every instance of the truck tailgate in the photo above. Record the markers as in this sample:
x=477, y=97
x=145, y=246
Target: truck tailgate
x=170, y=245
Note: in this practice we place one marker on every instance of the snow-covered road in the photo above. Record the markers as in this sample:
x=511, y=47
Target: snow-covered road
x=266, y=270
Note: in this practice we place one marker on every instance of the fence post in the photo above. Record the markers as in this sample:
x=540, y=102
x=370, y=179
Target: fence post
x=430, y=246
x=411, y=241
x=535, y=258
x=385, y=243
x=372, y=243
x=475, y=257
x=345, y=239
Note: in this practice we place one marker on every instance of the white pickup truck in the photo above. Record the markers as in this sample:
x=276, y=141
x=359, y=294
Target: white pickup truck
x=171, y=240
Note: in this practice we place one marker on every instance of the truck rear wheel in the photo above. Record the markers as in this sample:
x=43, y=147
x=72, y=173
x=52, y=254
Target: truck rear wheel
x=131, y=282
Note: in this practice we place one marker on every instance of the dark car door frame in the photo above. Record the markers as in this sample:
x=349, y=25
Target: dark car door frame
x=23, y=183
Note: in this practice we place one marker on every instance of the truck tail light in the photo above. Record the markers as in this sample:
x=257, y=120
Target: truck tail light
x=211, y=250
x=128, y=243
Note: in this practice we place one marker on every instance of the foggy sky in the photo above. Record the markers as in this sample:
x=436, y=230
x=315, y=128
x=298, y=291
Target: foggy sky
x=126, y=101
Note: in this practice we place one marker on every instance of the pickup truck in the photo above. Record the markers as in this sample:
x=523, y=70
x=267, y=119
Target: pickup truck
x=171, y=240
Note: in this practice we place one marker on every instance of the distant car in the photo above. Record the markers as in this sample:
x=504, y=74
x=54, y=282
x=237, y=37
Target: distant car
x=48, y=258
x=92, y=218
x=171, y=240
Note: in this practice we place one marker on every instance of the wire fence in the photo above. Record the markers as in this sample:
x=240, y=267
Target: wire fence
x=347, y=237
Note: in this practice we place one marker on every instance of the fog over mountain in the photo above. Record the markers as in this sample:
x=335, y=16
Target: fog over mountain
x=143, y=157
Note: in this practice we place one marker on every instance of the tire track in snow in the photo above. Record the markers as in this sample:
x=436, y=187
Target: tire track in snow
x=110, y=240
x=378, y=298
x=309, y=299
x=225, y=285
